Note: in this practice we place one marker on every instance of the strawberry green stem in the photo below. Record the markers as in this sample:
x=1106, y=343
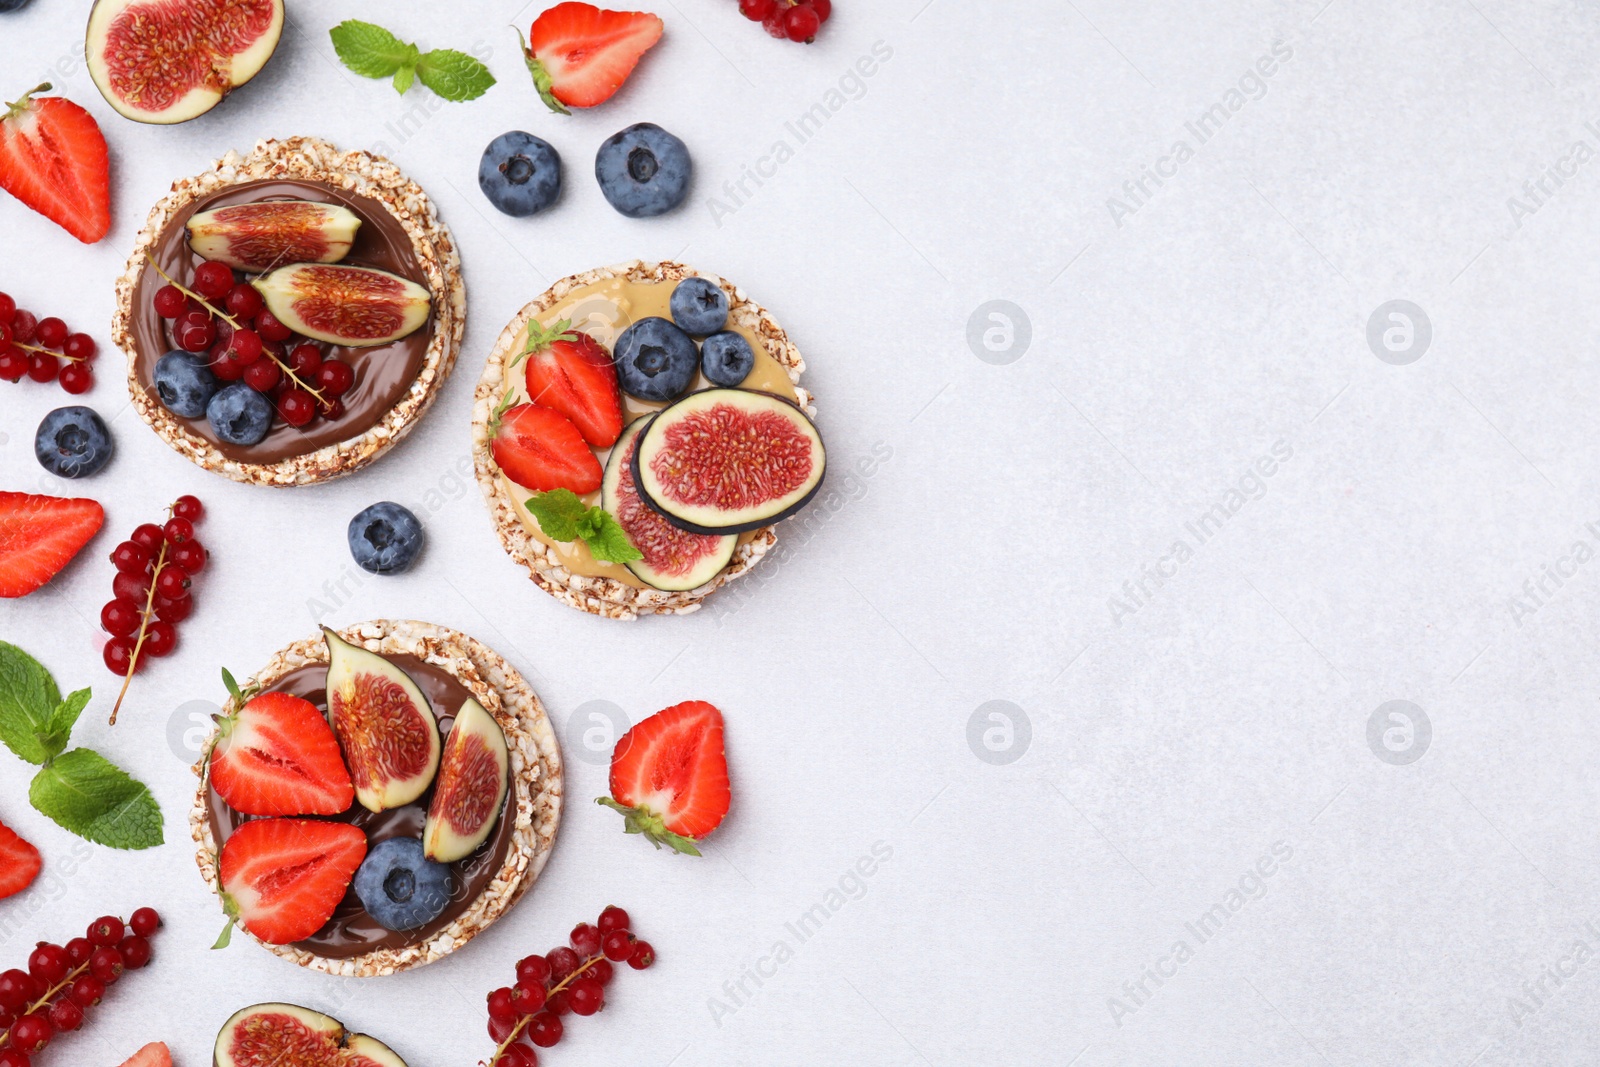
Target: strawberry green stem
x=522, y=1023
x=13, y=109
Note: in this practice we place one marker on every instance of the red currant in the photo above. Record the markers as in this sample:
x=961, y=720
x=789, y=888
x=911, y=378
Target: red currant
x=563, y=961
x=527, y=997
x=119, y=618
x=88, y=990
x=106, y=931
x=6, y=336
x=296, y=407
x=186, y=507
x=559, y=1002
x=518, y=1055
x=174, y=610
x=65, y=1016
x=177, y=531
x=587, y=995
x=49, y=963
x=160, y=638
x=500, y=1006
x=148, y=534
x=545, y=1029
x=191, y=556
x=612, y=919
x=17, y=989
x=262, y=375
x=244, y=301
x=213, y=280
x=77, y=378
x=30, y=1033
x=130, y=557
x=172, y=583
x=135, y=949
x=643, y=955
x=8, y=308
x=106, y=964
x=305, y=359
x=585, y=939
x=118, y=655
x=51, y=332
x=79, y=346
x=13, y=364
x=194, y=331
x=823, y=8
x=10, y=1057
x=170, y=302
x=335, y=377
x=618, y=945
x=43, y=367
x=268, y=326
x=601, y=971
x=801, y=23
x=134, y=587
x=500, y=1029
x=23, y=325
x=147, y=921
x=79, y=949
x=774, y=23
x=333, y=410
x=223, y=366
x=756, y=10
x=245, y=346
x=533, y=969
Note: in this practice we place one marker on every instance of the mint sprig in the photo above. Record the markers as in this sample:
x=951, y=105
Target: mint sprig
x=373, y=52
x=85, y=793
x=563, y=517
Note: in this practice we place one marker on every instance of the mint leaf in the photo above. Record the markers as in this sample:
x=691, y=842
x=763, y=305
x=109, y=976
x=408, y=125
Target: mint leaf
x=558, y=512
x=371, y=51
x=404, y=77
x=542, y=81
x=454, y=75
x=28, y=700
x=90, y=796
x=607, y=540
x=62, y=720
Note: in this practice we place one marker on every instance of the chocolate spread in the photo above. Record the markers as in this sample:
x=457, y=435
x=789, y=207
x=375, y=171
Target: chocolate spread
x=383, y=372
x=351, y=931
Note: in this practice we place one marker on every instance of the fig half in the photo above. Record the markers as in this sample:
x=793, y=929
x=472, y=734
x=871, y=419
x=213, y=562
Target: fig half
x=724, y=461
x=674, y=559
x=357, y=307
x=472, y=786
x=384, y=725
x=257, y=237
x=287, y=1035
x=166, y=61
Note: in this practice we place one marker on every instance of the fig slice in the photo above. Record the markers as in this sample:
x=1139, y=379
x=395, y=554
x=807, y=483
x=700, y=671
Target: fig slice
x=258, y=237
x=357, y=307
x=472, y=786
x=287, y=1035
x=166, y=61
x=724, y=461
x=674, y=559
x=384, y=725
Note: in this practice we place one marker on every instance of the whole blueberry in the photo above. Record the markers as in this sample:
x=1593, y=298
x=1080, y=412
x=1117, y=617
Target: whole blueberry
x=239, y=414
x=385, y=538
x=12, y=5
x=726, y=358
x=520, y=173
x=73, y=442
x=643, y=171
x=184, y=382
x=699, y=306
x=400, y=887
x=655, y=360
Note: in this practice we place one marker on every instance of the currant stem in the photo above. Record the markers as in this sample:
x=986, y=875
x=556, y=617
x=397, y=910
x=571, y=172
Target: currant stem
x=72, y=975
x=192, y=295
x=144, y=628
x=47, y=351
x=522, y=1023
x=296, y=379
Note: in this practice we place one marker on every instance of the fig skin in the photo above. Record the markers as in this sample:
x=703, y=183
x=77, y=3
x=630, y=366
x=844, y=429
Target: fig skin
x=315, y=299
x=473, y=736
x=355, y=672
x=261, y=236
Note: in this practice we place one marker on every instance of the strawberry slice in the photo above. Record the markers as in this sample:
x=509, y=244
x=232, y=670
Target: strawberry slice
x=573, y=374
x=277, y=756
x=53, y=158
x=540, y=449
x=155, y=1054
x=282, y=878
x=579, y=55
x=39, y=535
x=669, y=776
x=19, y=863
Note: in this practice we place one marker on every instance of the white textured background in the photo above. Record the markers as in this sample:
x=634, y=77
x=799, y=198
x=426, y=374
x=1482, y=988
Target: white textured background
x=1159, y=752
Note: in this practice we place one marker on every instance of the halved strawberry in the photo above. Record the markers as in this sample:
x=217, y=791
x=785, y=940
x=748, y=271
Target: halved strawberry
x=19, y=863
x=572, y=373
x=155, y=1054
x=53, y=158
x=669, y=776
x=540, y=449
x=282, y=878
x=39, y=535
x=579, y=55
x=277, y=756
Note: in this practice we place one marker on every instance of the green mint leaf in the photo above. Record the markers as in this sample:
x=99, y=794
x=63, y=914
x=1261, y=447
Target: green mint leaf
x=62, y=720
x=607, y=540
x=90, y=796
x=541, y=78
x=454, y=75
x=28, y=700
x=371, y=51
x=404, y=77
x=558, y=512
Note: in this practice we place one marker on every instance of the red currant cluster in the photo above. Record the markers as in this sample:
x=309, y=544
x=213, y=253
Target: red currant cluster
x=37, y=347
x=150, y=594
x=64, y=981
x=794, y=20
x=566, y=979
x=227, y=318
